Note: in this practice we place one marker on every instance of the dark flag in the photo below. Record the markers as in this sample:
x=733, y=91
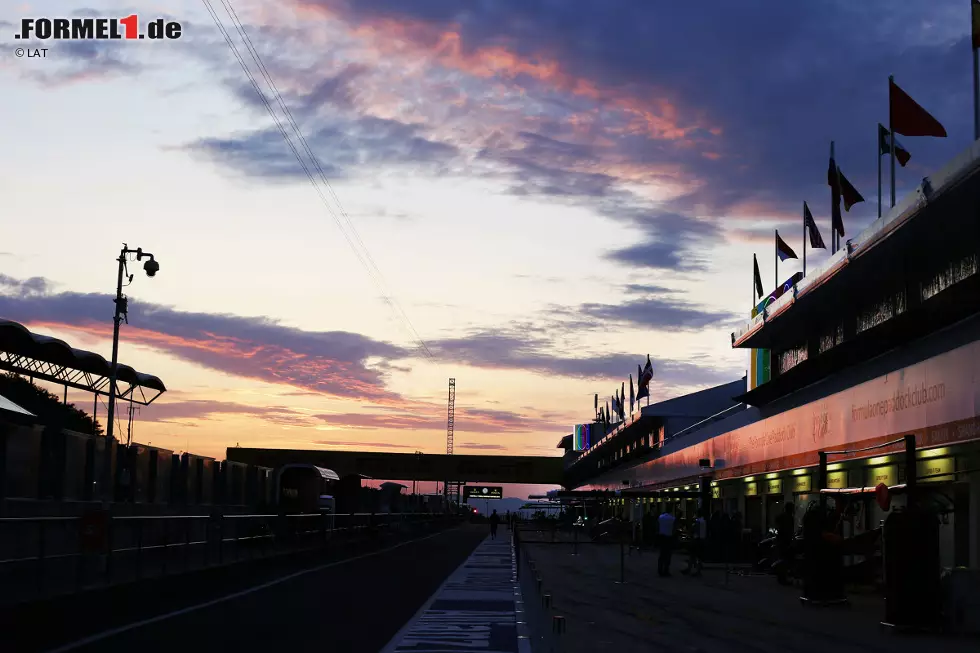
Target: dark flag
x=758, y=278
x=975, y=20
x=622, y=399
x=632, y=394
x=884, y=146
x=908, y=118
x=644, y=379
x=833, y=179
x=783, y=251
x=848, y=193
x=596, y=404
x=975, y=10
x=816, y=240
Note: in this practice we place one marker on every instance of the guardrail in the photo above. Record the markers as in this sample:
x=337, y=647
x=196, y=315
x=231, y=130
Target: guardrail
x=46, y=556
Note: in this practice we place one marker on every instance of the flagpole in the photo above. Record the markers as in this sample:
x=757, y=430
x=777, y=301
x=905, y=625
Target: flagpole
x=755, y=266
x=775, y=245
x=976, y=93
x=840, y=190
x=804, y=239
x=879, y=168
x=833, y=227
x=891, y=136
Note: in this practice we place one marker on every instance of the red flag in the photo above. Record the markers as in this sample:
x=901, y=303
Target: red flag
x=908, y=118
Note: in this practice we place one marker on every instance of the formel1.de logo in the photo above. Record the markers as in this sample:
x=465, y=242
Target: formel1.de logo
x=98, y=29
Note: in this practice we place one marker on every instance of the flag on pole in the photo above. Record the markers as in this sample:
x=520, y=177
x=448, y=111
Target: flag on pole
x=608, y=414
x=908, y=118
x=975, y=20
x=632, y=395
x=783, y=251
x=840, y=188
x=622, y=399
x=975, y=9
x=902, y=155
x=848, y=193
x=816, y=240
x=758, y=277
x=596, y=403
x=644, y=379
x=833, y=180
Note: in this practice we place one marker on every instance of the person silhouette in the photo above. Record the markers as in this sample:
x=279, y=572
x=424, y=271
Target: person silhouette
x=494, y=521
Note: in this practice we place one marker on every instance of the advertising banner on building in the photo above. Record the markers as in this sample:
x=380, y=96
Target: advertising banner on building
x=937, y=400
x=583, y=437
x=483, y=492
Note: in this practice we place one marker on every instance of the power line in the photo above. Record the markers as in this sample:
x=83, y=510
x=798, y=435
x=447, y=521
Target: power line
x=362, y=253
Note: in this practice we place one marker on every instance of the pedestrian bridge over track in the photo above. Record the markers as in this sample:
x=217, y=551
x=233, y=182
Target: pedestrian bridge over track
x=544, y=470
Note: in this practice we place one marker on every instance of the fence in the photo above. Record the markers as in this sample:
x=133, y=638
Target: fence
x=546, y=625
x=46, y=556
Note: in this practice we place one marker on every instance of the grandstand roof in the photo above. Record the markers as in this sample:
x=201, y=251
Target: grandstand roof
x=50, y=359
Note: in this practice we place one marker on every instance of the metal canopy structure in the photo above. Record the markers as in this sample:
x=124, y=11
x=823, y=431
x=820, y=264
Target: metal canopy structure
x=50, y=359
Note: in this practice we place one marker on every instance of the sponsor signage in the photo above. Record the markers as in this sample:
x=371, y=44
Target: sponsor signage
x=837, y=480
x=887, y=474
x=935, y=399
x=933, y=466
x=774, y=486
x=802, y=483
x=716, y=492
x=483, y=492
x=583, y=437
x=751, y=489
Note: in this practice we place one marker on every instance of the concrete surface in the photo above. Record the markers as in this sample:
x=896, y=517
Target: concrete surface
x=649, y=614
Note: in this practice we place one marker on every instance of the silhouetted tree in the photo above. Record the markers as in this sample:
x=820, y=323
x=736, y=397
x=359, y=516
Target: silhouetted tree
x=46, y=405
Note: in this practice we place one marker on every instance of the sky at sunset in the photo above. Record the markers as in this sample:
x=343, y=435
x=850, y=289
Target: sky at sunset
x=541, y=192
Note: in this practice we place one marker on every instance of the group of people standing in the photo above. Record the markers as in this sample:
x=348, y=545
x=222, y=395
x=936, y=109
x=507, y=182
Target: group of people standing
x=667, y=535
x=510, y=520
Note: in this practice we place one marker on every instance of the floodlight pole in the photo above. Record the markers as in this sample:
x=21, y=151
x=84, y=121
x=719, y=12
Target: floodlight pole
x=120, y=311
x=120, y=315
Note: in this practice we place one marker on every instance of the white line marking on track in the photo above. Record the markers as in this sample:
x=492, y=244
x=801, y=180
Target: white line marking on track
x=112, y=632
x=396, y=640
